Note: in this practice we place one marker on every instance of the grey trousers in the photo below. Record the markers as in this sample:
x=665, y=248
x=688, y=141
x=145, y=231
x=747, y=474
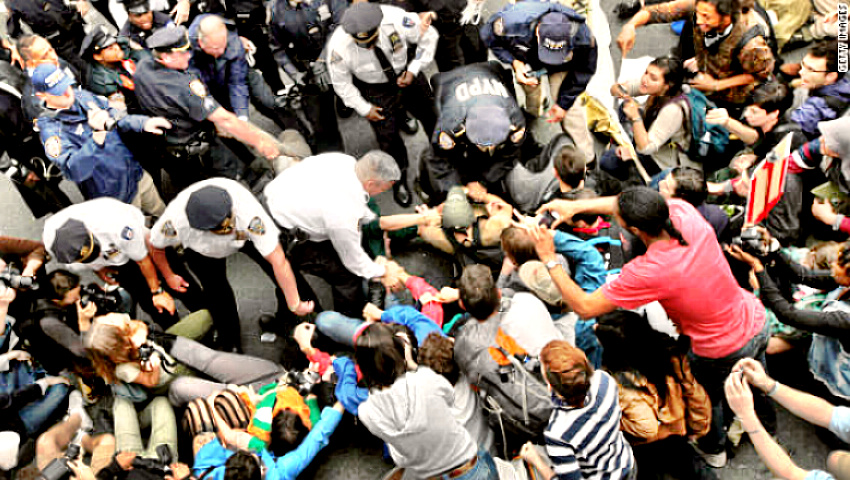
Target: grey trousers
x=224, y=368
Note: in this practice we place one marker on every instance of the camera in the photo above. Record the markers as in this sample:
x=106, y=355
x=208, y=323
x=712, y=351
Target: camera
x=11, y=277
x=106, y=302
x=751, y=242
x=58, y=468
x=161, y=466
x=548, y=218
x=302, y=381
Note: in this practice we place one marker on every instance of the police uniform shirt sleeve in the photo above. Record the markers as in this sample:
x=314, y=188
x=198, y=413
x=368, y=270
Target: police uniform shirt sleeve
x=251, y=216
x=346, y=240
x=76, y=162
x=491, y=35
x=127, y=225
x=581, y=68
x=408, y=24
x=342, y=55
x=164, y=232
x=196, y=100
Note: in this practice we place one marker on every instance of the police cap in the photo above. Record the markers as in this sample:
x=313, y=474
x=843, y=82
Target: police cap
x=49, y=78
x=96, y=41
x=74, y=243
x=169, y=39
x=362, y=20
x=553, y=38
x=137, y=7
x=208, y=207
x=488, y=125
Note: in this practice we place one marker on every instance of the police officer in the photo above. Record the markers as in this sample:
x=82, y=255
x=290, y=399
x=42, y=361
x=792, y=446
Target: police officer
x=108, y=237
x=479, y=132
x=219, y=59
x=164, y=87
x=54, y=20
x=80, y=133
x=545, y=38
x=213, y=220
x=299, y=30
x=112, y=66
x=142, y=22
x=370, y=71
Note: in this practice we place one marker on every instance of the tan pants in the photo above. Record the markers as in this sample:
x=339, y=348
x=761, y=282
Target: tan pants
x=147, y=197
x=574, y=123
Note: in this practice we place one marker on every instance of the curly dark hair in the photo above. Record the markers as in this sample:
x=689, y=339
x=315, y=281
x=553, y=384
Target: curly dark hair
x=437, y=353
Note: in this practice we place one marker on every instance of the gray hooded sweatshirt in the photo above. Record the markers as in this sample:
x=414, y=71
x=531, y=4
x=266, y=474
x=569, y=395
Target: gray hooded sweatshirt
x=414, y=418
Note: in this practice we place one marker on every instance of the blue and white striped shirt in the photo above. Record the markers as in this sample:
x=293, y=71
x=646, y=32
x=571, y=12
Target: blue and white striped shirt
x=586, y=443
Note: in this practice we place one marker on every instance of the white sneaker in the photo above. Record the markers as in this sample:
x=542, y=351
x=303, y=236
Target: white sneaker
x=714, y=460
x=76, y=406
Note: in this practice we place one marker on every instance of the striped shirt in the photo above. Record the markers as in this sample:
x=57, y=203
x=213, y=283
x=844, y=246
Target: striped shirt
x=586, y=443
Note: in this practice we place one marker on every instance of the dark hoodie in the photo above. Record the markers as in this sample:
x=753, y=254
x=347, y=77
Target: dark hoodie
x=824, y=103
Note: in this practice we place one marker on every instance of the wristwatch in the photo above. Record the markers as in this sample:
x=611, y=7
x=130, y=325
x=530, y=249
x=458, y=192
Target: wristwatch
x=551, y=264
x=158, y=291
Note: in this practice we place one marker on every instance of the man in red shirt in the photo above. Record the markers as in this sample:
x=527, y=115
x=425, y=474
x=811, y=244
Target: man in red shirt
x=685, y=271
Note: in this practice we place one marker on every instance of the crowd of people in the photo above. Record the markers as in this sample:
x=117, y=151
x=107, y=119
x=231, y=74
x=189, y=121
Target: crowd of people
x=612, y=312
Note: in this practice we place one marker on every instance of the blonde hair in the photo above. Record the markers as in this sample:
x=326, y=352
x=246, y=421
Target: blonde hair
x=109, y=343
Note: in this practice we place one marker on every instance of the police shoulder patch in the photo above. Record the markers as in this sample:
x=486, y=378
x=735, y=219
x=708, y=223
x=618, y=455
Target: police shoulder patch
x=499, y=26
x=335, y=57
x=127, y=233
x=168, y=229
x=198, y=88
x=256, y=226
x=407, y=21
x=53, y=146
x=445, y=141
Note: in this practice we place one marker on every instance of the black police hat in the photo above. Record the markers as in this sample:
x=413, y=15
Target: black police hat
x=361, y=20
x=97, y=40
x=137, y=6
x=74, y=243
x=169, y=39
x=207, y=207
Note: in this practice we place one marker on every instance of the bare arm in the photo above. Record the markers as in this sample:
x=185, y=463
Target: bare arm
x=244, y=132
x=286, y=280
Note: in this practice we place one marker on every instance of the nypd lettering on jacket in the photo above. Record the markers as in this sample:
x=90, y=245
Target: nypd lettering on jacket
x=480, y=86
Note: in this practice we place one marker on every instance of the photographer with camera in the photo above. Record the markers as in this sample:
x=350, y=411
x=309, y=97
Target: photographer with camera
x=826, y=360
x=808, y=407
x=129, y=466
x=25, y=262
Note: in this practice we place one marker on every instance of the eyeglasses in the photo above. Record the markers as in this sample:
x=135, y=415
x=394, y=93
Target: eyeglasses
x=803, y=66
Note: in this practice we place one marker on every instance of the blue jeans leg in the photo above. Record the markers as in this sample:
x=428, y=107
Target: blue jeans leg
x=712, y=373
x=338, y=327
x=36, y=415
x=485, y=469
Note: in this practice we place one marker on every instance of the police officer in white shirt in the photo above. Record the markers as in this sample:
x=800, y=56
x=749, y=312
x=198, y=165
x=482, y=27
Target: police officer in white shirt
x=371, y=72
x=325, y=198
x=108, y=236
x=212, y=220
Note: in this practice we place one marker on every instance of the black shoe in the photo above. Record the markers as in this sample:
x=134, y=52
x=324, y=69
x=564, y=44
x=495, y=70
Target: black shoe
x=376, y=293
x=402, y=194
x=410, y=125
x=627, y=9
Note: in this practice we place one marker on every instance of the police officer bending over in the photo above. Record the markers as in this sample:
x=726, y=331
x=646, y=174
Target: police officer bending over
x=105, y=235
x=164, y=87
x=80, y=133
x=219, y=59
x=479, y=132
x=545, y=38
x=212, y=220
x=371, y=73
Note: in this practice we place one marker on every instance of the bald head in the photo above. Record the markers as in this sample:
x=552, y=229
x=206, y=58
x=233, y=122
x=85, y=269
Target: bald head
x=212, y=35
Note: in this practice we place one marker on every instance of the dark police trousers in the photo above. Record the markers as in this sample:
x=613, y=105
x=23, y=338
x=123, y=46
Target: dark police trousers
x=417, y=98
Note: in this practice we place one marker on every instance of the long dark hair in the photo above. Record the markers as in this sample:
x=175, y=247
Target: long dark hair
x=674, y=76
x=631, y=346
x=646, y=210
x=379, y=352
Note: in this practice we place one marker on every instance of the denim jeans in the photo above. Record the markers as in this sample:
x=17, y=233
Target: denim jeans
x=338, y=327
x=36, y=415
x=712, y=373
x=158, y=415
x=484, y=469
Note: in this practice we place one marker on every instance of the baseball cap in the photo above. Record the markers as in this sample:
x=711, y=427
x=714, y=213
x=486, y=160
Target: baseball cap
x=535, y=276
x=74, y=243
x=553, y=38
x=169, y=39
x=50, y=79
x=97, y=40
x=457, y=212
x=137, y=6
x=207, y=207
x=361, y=20
x=488, y=125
